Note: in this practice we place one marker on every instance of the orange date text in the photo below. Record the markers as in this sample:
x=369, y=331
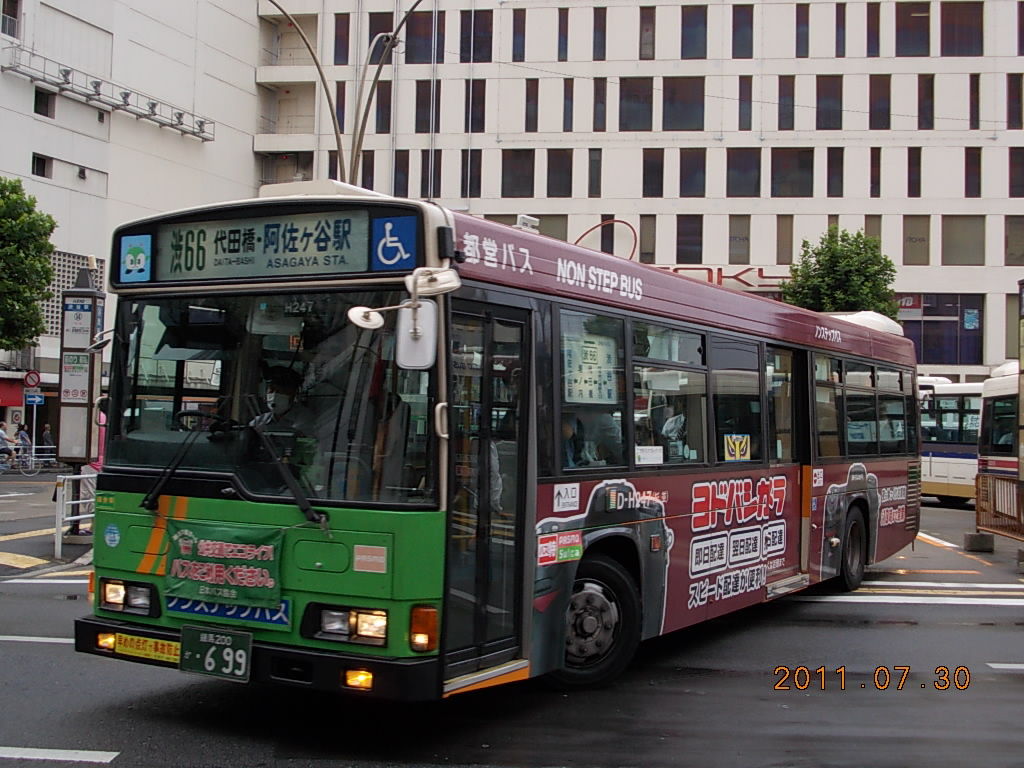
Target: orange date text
x=896, y=677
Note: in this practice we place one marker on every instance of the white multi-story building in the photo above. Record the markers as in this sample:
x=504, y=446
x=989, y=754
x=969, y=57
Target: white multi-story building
x=715, y=136
x=114, y=110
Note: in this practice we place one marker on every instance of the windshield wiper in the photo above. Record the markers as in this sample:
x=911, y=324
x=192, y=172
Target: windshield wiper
x=284, y=469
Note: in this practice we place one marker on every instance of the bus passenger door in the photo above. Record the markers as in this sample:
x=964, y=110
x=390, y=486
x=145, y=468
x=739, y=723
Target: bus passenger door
x=486, y=422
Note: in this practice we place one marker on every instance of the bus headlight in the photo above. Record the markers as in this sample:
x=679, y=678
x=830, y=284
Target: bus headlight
x=353, y=625
x=127, y=597
x=370, y=627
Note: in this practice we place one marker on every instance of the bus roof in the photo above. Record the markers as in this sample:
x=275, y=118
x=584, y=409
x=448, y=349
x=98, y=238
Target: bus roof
x=1000, y=385
x=497, y=253
x=950, y=388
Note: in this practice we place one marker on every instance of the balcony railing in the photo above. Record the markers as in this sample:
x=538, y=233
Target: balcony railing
x=287, y=124
x=97, y=90
x=287, y=56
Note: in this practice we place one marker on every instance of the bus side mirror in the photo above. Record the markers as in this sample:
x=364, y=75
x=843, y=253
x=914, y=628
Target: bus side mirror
x=416, y=336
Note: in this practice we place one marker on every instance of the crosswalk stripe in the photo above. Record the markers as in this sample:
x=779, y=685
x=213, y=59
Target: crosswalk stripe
x=61, y=755
x=21, y=561
x=30, y=639
x=1006, y=667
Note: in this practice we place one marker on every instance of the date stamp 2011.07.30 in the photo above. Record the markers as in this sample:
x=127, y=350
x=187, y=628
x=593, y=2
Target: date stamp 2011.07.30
x=896, y=677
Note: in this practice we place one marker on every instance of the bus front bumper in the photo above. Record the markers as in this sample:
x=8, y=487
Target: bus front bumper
x=393, y=679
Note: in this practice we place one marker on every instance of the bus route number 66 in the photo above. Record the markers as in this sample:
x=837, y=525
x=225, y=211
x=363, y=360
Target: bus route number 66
x=216, y=652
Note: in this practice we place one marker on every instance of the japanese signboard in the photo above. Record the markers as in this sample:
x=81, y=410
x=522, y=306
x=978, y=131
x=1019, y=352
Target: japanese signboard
x=74, y=379
x=233, y=565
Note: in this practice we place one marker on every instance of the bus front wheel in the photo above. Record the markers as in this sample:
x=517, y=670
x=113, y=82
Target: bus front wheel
x=855, y=548
x=602, y=624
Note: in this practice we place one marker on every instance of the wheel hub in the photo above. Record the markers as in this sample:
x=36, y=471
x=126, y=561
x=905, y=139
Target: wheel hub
x=592, y=620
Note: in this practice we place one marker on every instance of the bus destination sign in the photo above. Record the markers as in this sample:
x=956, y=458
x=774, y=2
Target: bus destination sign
x=298, y=245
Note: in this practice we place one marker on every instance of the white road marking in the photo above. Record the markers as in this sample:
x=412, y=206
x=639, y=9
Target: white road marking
x=941, y=584
x=65, y=755
x=910, y=600
x=1006, y=667
x=30, y=639
x=13, y=493
x=43, y=580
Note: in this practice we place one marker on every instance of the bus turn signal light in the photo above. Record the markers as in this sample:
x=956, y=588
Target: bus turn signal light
x=423, y=628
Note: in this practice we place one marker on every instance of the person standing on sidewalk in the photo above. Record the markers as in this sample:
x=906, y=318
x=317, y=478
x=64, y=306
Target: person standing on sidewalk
x=49, y=448
x=6, y=443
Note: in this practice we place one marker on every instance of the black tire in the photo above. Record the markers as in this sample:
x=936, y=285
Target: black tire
x=602, y=624
x=955, y=502
x=855, y=551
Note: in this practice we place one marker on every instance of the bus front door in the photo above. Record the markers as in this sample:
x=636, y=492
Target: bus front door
x=486, y=418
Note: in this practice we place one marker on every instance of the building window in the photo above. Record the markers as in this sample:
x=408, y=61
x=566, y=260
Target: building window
x=692, y=172
x=607, y=233
x=559, y=173
x=636, y=96
x=915, y=241
x=803, y=29
x=430, y=173
x=366, y=171
x=400, y=182
x=946, y=328
x=879, y=102
x=383, y=97
x=654, y=173
x=787, y=87
x=743, y=31
x=648, y=234
x=1014, y=98
x=873, y=16
x=830, y=103
x=694, y=36
x=792, y=172
x=563, y=34
x=972, y=171
x=689, y=238
x=875, y=183
x=530, y=118
x=1012, y=326
x=743, y=172
x=567, y=97
x=647, y=33
x=428, y=106
x=517, y=173
x=1014, y=254
x=746, y=87
x=379, y=23
x=784, y=239
x=913, y=171
x=975, y=102
x=339, y=104
x=962, y=26
x=600, y=104
x=835, y=172
x=683, y=104
x=963, y=241
x=925, y=102
x=594, y=173
x=913, y=21
x=739, y=239
x=1020, y=28
x=1016, y=171
x=519, y=34
x=424, y=28
x=42, y=166
x=873, y=226
x=840, y=30
x=45, y=103
x=475, y=40
x=475, y=108
x=341, y=27
x=600, y=33
x=472, y=160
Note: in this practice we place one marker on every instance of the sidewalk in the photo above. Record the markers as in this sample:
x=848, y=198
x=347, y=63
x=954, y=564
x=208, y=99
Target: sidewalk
x=27, y=517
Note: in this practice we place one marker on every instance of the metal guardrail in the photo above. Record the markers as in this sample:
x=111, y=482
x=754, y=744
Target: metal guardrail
x=73, y=506
x=997, y=508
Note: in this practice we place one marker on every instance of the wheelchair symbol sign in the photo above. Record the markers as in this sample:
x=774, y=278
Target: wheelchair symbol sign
x=394, y=243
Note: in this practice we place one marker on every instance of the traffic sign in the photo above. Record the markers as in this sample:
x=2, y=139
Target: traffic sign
x=36, y=399
x=32, y=379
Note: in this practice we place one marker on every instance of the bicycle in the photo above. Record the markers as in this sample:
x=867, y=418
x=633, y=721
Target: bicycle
x=24, y=462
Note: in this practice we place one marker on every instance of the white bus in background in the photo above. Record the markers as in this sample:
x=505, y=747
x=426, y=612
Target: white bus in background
x=950, y=420
x=997, y=443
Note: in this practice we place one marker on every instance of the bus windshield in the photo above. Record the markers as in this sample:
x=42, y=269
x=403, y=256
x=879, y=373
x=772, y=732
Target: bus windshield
x=347, y=422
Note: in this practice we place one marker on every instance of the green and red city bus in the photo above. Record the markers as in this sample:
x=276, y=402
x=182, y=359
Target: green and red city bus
x=366, y=444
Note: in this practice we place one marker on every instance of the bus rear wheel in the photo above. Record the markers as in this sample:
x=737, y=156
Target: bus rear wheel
x=855, y=550
x=602, y=624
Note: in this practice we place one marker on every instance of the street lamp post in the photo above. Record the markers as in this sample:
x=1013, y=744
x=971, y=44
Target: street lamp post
x=323, y=81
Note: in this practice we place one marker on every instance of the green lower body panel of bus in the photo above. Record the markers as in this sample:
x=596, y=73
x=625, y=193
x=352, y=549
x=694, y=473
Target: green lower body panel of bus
x=233, y=655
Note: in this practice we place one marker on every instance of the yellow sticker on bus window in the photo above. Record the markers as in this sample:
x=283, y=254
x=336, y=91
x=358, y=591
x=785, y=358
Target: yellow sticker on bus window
x=148, y=648
x=737, y=447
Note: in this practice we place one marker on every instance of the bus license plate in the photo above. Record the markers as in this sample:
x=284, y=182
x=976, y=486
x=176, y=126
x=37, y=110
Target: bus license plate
x=217, y=652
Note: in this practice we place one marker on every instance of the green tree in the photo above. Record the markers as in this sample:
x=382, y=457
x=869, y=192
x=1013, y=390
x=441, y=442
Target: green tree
x=25, y=268
x=844, y=272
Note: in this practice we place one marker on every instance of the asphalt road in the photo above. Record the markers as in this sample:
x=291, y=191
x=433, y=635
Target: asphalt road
x=713, y=695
